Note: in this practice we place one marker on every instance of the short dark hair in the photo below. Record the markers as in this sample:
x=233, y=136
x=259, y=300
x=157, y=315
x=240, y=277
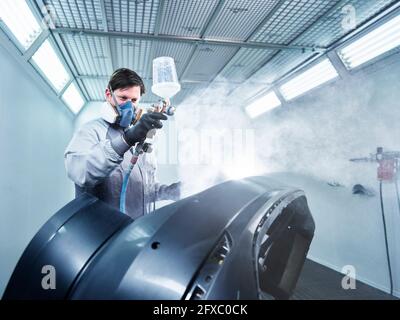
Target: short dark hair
x=124, y=78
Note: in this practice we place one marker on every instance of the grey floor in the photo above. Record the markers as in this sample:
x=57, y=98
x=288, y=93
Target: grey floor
x=318, y=282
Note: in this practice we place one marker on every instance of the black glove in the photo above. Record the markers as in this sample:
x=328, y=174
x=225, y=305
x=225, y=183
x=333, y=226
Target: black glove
x=147, y=122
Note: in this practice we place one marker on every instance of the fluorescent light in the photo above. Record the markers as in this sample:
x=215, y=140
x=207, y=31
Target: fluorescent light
x=48, y=62
x=312, y=78
x=262, y=105
x=73, y=98
x=19, y=19
x=373, y=44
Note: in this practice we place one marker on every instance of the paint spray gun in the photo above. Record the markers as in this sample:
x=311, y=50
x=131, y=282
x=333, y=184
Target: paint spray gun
x=165, y=85
x=163, y=105
x=388, y=163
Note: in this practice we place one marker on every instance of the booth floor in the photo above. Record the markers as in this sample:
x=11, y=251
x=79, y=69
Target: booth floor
x=321, y=283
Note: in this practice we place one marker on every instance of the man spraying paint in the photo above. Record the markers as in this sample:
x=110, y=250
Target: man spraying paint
x=100, y=152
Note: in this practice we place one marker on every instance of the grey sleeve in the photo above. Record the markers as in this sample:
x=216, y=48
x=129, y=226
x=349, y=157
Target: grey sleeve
x=88, y=160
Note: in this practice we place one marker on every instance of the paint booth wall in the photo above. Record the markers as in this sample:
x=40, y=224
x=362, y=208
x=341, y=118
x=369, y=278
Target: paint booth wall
x=314, y=137
x=35, y=128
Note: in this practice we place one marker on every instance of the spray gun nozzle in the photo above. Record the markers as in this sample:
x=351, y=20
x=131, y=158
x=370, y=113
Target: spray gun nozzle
x=163, y=107
x=170, y=111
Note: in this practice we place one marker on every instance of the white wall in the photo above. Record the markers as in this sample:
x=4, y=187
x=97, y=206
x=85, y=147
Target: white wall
x=314, y=137
x=35, y=128
x=349, y=229
x=90, y=112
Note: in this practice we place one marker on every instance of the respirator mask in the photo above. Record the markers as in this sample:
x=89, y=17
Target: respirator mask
x=125, y=113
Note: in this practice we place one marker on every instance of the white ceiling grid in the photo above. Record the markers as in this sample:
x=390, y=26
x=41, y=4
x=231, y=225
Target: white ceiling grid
x=208, y=61
x=238, y=19
x=131, y=16
x=280, y=65
x=329, y=30
x=285, y=61
x=84, y=14
x=181, y=53
x=186, y=18
x=245, y=62
x=96, y=88
x=133, y=54
x=89, y=54
x=189, y=90
x=295, y=22
x=291, y=19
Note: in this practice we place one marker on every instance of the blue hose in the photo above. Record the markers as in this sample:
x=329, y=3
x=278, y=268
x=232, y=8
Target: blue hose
x=140, y=148
x=122, y=198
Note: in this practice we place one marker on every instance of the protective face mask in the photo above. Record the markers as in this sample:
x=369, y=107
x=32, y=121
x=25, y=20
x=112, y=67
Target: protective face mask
x=125, y=110
x=126, y=116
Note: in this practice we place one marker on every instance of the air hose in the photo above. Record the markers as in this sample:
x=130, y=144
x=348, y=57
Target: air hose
x=140, y=148
x=386, y=239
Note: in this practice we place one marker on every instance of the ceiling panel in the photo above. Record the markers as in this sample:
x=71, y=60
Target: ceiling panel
x=186, y=18
x=281, y=64
x=131, y=15
x=291, y=19
x=208, y=61
x=238, y=19
x=189, y=90
x=95, y=88
x=244, y=63
x=77, y=13
x=330, y=29
x=296, y=22
x=89, y=53
x=247, y=90
x=149, y=96
x=132, y=54
x=181, y=53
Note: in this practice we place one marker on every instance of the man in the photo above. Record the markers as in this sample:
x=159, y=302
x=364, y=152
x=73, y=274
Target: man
x=98, y=157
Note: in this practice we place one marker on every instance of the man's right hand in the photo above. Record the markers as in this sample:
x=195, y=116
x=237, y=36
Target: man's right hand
x=147, y=122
